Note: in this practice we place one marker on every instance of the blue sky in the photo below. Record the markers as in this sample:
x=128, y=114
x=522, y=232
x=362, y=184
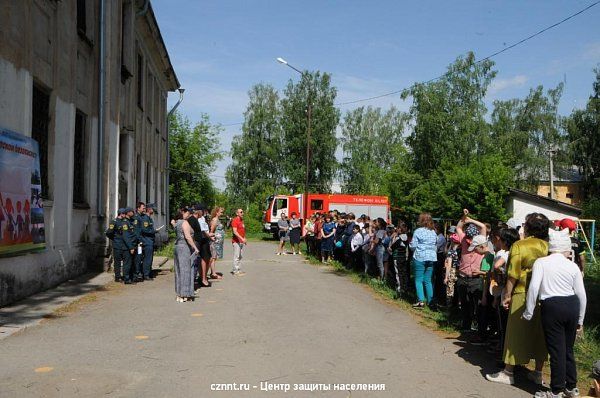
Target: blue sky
x=219, y=49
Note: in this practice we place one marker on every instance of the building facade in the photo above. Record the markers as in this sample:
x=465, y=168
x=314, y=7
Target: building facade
x=88, y=80
x=567, y=186
x=564, y=191
x=521, y=203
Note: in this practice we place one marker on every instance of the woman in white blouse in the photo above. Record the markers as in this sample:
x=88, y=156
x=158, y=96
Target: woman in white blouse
x=558, y=283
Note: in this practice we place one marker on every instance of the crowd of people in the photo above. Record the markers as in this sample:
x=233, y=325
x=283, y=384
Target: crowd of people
x=518, y=287
x=132, y=234
x=199, y=239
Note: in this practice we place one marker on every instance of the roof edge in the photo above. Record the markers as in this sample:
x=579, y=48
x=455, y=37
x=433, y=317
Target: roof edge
x=550, y=201
x=173, y=75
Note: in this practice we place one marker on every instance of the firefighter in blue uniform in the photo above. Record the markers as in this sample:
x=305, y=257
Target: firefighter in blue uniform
x=130, y=240
x=114, y=232
x=138, y=222
x=146, y=232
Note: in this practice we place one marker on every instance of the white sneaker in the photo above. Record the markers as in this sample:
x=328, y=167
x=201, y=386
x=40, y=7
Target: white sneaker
x=501, y=377
x=537, y=377
x=293, y=253
x=279, y=254
x=574, y=393
x=548, y=394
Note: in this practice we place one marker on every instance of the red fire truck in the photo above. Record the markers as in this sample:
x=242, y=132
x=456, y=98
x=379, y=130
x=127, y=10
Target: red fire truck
x=305, y=205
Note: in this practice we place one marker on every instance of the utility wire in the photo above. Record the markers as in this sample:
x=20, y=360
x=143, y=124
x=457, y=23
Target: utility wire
x=481, y=60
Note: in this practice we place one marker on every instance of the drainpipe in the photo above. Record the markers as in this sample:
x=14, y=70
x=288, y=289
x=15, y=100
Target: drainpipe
x=181, y=90
x=101, y=100
x=143, y=10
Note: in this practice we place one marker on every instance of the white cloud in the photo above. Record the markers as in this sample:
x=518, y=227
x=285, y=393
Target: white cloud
x=503, y=84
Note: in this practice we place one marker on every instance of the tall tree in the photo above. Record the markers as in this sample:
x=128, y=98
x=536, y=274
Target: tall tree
x=449, y=115
x=371, y=144
x=193, y=154
x=523, y=130
x=583, y=128
x=256, y=167
x=314, y=88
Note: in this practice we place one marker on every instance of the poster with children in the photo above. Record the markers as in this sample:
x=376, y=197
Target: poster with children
x=21, y=210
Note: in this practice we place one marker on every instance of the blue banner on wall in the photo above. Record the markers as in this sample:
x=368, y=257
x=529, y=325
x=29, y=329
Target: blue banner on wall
x=21, y=210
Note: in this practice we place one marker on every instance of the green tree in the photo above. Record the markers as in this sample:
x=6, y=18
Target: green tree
x=449, y=115
x=583, y=128
x=480, y=186
x=314, y=88
x=524, y=129
x=193, y=153
x=371, y=144
x=256, y=167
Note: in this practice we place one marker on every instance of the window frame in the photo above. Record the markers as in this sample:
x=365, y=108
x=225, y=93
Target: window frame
x=40, y=132
x=79, y=160
x=314, y=201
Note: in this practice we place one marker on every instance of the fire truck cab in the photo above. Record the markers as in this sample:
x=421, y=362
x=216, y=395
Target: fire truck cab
x=305, y=205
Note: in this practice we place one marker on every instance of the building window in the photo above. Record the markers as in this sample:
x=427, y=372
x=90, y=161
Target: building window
x=140, y=82
x=570, y=195
x=149, y=97
x=81, y=18
x=79, y=158
x=39, y=131
x=138, y=178
x=148, y=182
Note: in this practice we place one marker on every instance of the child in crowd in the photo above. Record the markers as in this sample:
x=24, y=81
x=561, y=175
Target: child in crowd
x=327, y=243
x=480, y=245
x=356, y=242
x=367, y=236
x=399, y=246
x=451, y=265
x=595, y=390
x=503, y=243
x=387, y=253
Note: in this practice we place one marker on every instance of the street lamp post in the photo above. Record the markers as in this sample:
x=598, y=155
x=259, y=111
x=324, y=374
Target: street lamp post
x=308, y=126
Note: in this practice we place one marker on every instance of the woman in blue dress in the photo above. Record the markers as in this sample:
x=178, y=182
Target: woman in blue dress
x=327, y=241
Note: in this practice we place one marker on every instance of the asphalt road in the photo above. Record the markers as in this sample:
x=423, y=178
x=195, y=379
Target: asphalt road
x=285, y=322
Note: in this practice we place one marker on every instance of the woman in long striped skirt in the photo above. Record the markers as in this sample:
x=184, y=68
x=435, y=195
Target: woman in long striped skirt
x=184, y=254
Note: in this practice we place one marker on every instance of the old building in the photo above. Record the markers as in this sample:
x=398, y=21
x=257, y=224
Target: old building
x=567, y=186
x=88, y=80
